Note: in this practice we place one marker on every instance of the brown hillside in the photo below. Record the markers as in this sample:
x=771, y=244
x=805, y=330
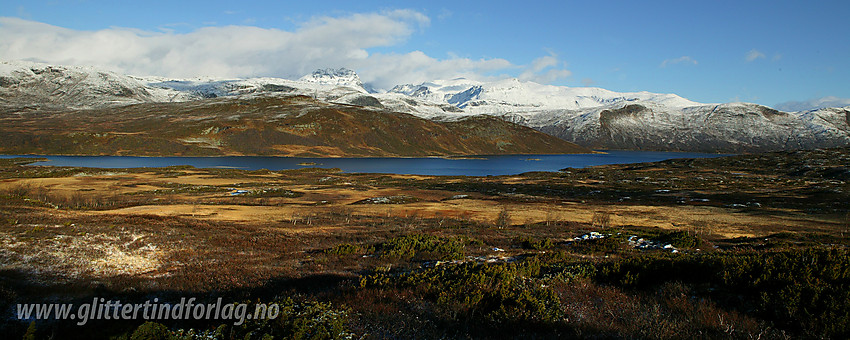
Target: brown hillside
x=269, y=126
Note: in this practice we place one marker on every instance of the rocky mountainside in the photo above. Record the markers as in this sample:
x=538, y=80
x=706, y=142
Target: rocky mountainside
x=592, y=117
x=736, y=127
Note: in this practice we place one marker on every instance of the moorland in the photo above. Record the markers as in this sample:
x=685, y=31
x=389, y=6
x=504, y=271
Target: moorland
x=749, y=246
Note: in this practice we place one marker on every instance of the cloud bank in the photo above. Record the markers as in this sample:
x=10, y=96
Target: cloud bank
x=248, y=51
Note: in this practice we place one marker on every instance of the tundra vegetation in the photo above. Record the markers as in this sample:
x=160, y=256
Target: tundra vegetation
x=751, y=246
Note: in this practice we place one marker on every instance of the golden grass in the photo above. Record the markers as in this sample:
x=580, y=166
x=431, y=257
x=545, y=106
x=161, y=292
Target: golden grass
x=433, y=204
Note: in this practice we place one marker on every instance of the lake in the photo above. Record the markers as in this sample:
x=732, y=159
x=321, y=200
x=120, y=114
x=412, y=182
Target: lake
x=472, y=166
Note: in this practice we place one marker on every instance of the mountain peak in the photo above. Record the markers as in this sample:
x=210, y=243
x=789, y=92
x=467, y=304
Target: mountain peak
x=330, y=76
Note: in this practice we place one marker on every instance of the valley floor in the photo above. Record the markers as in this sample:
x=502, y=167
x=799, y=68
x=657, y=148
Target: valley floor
x=729, y=247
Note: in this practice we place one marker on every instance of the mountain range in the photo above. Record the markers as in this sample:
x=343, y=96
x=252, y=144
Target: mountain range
x=591, y=117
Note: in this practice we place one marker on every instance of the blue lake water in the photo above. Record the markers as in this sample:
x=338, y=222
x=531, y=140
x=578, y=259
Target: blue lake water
x=477, y=166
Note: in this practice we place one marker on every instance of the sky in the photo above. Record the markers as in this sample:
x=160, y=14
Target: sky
x=777, y=53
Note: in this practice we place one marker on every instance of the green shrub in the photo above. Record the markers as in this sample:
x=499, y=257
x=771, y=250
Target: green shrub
x=299, y=320
x=481, y=293
x=151, y=331
x=423, y=246
x=679, y=239
x=803, y=290
x=534, y=243
x=343, y=249
x=606, y=245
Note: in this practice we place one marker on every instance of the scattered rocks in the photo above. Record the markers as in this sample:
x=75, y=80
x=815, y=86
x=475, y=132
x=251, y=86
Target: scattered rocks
x=589, y=236
x=642, y=243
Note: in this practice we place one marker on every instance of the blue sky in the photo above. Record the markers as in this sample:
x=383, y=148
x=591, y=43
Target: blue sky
x=766, y=52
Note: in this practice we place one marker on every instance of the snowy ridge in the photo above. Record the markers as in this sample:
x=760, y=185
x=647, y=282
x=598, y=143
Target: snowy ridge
x=43, y=85
x=514, y=96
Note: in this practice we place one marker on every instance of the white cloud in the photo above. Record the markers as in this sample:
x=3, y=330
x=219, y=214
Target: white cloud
x=248, y=51
x=754, y=54
x=683, y=59
x=387, y=70
x=812, y=104
x=549, y=64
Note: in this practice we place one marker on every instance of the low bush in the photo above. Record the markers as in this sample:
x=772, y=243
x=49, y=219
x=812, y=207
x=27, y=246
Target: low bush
x=534, y=243
x=605, y=245
x=343, y=249
x=151, y=331
x=422, y=247
x=481, y=293
x=299, y=320
x=803, y=290
x=679, y=239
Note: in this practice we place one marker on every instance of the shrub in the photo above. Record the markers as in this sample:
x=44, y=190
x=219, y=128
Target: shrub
x=480, y=293
x=151, y=331
x=804, y=290
x=299, y=320
x=422, y=246
x=343, y=249
x=535, y=244
x=679, y=239
x=605, y=245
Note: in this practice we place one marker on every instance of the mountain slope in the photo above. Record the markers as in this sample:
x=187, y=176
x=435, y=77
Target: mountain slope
x=602, y=119
x=264, y=125
x=592, y=117
x=35, y=85
x=733, y=128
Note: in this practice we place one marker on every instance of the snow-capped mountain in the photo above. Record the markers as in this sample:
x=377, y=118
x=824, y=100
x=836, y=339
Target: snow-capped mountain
x=604, y=119
x=592, y=117
x=47, y=86
x=732, y=127
x=514, y=96
x=336, y=77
